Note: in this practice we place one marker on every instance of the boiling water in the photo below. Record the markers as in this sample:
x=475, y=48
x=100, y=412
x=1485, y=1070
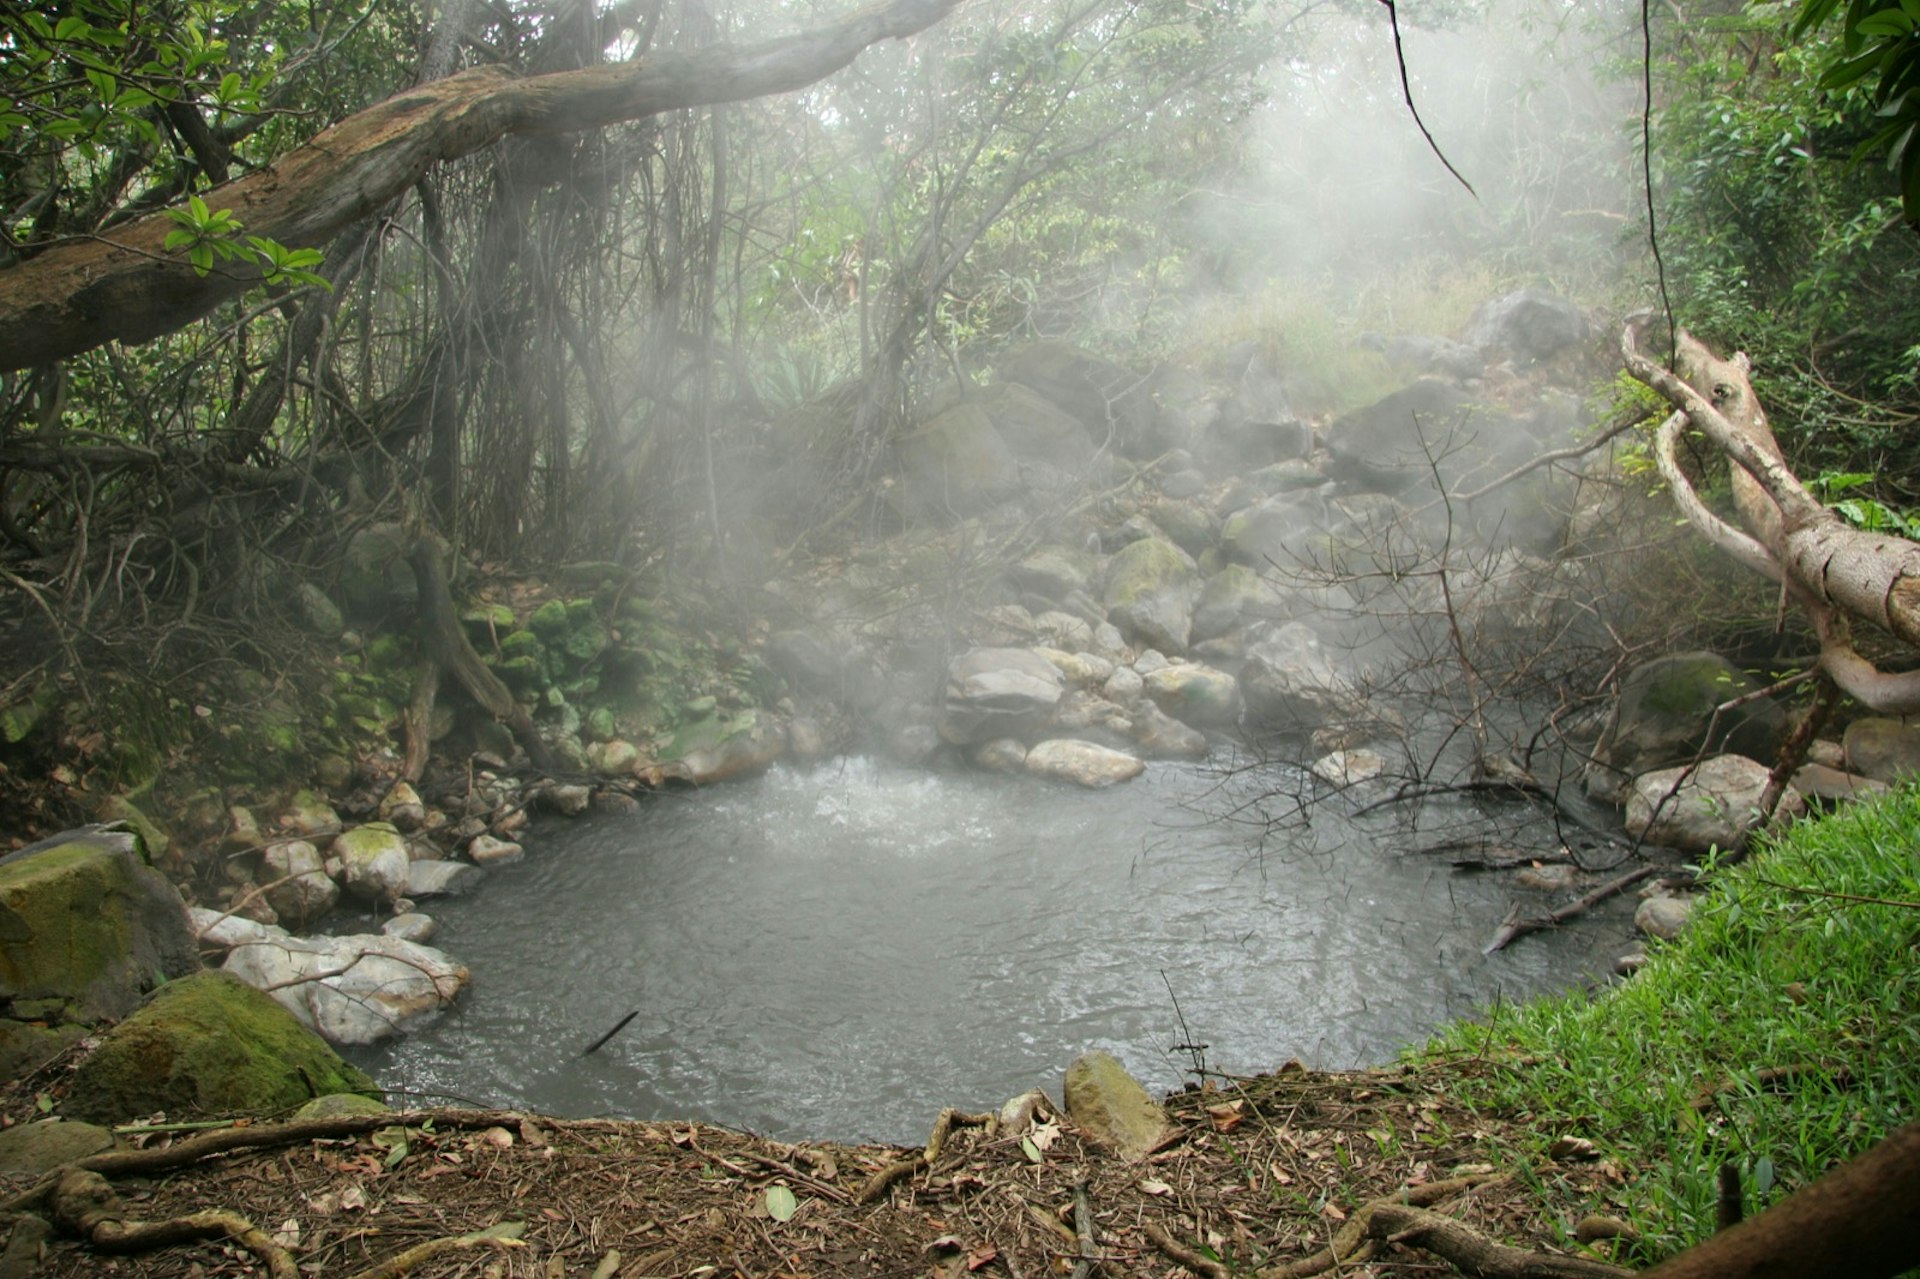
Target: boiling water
x=839, y=952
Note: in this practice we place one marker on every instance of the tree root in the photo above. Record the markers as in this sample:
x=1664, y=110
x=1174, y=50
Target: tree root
x=1352, y=1245
x=83, y=1204
x=1474, y=1253
x=950, y=1118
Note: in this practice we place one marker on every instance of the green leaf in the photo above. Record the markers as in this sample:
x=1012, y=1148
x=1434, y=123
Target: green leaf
x=1031, y=1151
x=73, y=27
x=781, y=1205
x=202, y=258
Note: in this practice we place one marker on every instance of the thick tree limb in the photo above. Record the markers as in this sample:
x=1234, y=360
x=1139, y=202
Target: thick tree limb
x=1861, y=1220
x=77, y=296
x=1475, y=1254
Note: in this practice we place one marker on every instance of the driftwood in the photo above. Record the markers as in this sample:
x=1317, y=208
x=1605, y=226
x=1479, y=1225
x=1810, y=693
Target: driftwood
x=1516, y=927
x=1474, y=1253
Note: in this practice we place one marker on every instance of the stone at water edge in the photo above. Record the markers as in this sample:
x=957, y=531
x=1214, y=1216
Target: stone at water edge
x=1158, y=735
x=308, y=815
x=430, y=878
x=1001, y=755
x=207, y=1044
x=485, y=850
x=1833, y=785
x=373, y=861
x=1349, y=767
x=1714, y=807
x=1662, y=715
x=1663, y=916
x=1195, y=694
x=1070, y=760
x=356, y=989
x=998, y=692
x=1547, y=879
x=222, y=931
x=403, y=807
x=307, y=892
x=411, y=926
x=1112, y=1108
x=1882, y=748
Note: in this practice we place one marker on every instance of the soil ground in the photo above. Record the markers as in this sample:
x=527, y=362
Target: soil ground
x=1255, y=1173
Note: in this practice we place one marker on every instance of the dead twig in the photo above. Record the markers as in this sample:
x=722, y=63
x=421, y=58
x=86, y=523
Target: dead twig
x=1473, y=1252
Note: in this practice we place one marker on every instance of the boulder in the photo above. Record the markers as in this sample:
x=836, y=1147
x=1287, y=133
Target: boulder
x=956, y=464
x=1157, y=735
x=1151, y=586
x=300, y=889
x=1084, y=763
x=373, y=861
x=1662, y=714
x=1049, y=574
x=84, y=922
x=356, y=989
x=1113, y=403
x=403, y=807
x=1281, y=531
x=1001, y=755
x=1389, y=446
x=487, y=850
x=308, y=815
x=1290, y=685
x=1714, y=807
x=1232, y=598
x=998, y=692
x=1195, y=694
x=1124, y=685
x=1526, y=325
x=1112, y=1108
x=223, y=930
x=207, y=1044
x=1887, y=750
x=1049, y=443
x=1833, y=785
x=721, y=748
x=411, y=926
x=808, y=662
x=31, y=1150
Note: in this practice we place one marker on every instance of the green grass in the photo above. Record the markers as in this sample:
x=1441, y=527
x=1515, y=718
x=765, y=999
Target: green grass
x=1779, y=968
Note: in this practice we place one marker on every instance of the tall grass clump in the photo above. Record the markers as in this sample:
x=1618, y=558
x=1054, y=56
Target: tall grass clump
x=1780, y=1034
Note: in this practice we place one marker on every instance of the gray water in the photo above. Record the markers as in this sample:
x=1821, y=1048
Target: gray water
x=838, y=952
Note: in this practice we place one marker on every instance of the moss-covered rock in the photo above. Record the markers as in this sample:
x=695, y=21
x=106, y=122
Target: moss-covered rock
x=1151, y=585
x=83, y=921
x=21, y=716
x=550, y=619
x=208, y=1044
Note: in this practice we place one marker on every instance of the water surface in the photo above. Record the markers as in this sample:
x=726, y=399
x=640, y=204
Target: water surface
x=838, y=952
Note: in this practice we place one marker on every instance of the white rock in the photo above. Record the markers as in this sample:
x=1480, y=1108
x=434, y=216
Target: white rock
x=217, y=928
x=1350, y=767
x=442, y=878
x=488, y=851
x=352, y=990
x=373, y=861
x=1071, y=760
x=301, y=889
x=411, y=926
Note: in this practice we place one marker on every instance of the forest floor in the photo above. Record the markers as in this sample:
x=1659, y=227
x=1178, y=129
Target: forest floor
x=1275, y=1175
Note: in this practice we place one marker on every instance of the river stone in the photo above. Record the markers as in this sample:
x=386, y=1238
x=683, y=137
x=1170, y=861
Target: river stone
x=373, y=861
x=1276, y=532
x=720, y=748
x=615, y=757
x=1064, y=630
x=1663, y=916
x=1151, y=586
x=1079, y=670
x=431, y=878
x=1833, y=785
x=1188, y=525
x=1049, y=574
x=1051, y=442
x=308, y=814
x=486, y=850
x=1113, y=403
x=1349, y=767
x=307, y=893
x=207, y=1044
x=223, y=930
x=403, y=807
x=378, y=986
x=1662, y=715
x=1547, y=879
x=569, y=799
x=1714, y=807
x=1158, y=735
x=28, y=1150
x=1001, y=755
x=410, y=926
x=1290, y=684
x=85, y=922
x=1112, y=1108
x=1124, y=685
x=998, y=692
x=1071, y=760
x=1195, y=694
x=1230, y=599
x=1885, y=749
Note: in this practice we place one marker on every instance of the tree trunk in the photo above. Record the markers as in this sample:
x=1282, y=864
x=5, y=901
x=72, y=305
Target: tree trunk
x=76, y=296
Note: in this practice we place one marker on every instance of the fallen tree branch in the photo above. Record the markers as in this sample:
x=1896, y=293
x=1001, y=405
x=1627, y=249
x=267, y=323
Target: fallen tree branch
x=1514, y=928
x=950, y=1118
x=84, y=1205
x=1473, y=1252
